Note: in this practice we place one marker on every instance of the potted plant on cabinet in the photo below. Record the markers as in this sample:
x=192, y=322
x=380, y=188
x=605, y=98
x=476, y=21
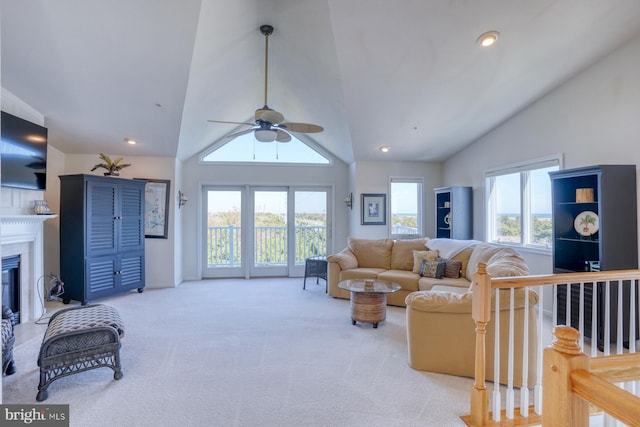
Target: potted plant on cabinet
x=112, y=166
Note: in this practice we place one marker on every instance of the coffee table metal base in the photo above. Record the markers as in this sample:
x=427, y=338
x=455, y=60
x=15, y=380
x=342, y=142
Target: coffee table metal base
x=368, y=307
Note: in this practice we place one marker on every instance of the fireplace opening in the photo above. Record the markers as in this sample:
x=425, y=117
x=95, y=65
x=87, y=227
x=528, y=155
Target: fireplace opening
x=11, y=285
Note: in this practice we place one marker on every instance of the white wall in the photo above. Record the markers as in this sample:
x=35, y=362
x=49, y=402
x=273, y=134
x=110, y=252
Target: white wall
x=594, y=118
x=56, y=162
x=196, y=175
x=373, y=177
x=177, y=224
x=160, y=260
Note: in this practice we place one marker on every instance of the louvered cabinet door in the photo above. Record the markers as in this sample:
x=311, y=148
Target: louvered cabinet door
x=131, y=218
x=101, y=276
x=131, y=271
x=102, y=216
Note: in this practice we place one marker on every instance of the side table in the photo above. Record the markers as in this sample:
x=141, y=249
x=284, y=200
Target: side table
x=315, y=266
x=369, y=299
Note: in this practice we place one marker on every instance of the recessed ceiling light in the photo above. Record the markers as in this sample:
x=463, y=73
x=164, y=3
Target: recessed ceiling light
x=130, y=141
x=489, y=38
x=384, y=149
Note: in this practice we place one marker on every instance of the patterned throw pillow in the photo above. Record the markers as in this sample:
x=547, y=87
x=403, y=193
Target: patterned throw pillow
x=452, y=268
x=433, y=269
x=418, y=256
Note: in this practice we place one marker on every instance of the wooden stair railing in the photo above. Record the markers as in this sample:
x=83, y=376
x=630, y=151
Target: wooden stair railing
x=572, y=382
x=482, y=286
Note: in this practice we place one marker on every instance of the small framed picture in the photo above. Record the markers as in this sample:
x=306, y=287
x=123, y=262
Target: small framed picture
x=156, y=208
x=374, y=209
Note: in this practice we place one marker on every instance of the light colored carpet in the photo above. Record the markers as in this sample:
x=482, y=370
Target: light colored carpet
x=249, y=353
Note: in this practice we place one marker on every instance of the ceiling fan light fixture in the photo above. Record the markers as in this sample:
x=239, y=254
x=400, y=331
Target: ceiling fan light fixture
x=488, y=39
x=265, y=135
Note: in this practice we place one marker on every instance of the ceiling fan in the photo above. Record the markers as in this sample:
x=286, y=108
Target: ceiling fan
x=269, y=124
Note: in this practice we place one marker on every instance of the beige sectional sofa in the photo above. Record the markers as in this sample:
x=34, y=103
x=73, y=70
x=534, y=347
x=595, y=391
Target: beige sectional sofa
x=440, y=329
x=394, y=261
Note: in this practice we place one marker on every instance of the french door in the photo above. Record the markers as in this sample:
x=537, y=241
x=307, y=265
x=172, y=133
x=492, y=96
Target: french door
x=259, y=231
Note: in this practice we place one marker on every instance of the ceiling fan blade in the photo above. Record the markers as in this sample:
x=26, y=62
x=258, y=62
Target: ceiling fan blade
x=301, y=127
x=231, y=123
x=283, y=136
x=266, y=114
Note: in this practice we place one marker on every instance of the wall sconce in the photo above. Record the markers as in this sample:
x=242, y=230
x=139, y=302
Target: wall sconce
x=349, y=200
x=182, y=199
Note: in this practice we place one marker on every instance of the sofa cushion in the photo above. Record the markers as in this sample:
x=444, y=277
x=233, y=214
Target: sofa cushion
x=345, y=258
x=402, y=253
x=428, y=283
x=432, y=269
x=418, y=256
x=452, y=268
x=452, y=289
x=406, y=279
x=463, y=256
x=370, y=253
x=360, y=273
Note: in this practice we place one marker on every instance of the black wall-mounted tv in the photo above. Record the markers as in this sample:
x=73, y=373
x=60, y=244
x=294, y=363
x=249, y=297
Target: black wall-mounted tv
x=23, y=153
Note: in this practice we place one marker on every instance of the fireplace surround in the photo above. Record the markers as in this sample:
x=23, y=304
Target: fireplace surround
x=22, y=235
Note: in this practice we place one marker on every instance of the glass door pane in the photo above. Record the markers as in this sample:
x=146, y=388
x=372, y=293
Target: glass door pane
x=270, y=232
x=223, y=242
x=310, y=225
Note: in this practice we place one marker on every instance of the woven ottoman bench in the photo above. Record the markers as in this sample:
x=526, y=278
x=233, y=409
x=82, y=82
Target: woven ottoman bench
x=78, y=339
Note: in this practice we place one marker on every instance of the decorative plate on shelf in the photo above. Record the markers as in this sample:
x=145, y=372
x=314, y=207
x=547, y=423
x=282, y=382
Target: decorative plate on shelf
x=447, y=218
x=586, y=223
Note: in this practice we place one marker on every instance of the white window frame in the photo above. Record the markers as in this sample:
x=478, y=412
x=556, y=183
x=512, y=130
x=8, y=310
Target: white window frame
x=420, y=219
x=525, y=199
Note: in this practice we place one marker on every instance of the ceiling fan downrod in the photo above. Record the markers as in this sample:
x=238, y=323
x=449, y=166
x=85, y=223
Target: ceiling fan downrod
x=266, y=31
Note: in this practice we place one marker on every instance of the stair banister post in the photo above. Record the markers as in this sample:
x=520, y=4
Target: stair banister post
x=481, y=313
x=560, y=406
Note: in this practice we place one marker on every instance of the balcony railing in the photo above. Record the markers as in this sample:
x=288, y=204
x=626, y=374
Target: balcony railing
x=224, y=245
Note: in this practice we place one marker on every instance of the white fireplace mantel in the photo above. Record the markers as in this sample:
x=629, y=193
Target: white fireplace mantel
x=20, y=218
x=23, y=235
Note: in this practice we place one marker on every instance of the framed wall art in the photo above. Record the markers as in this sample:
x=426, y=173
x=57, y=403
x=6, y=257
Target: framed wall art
x=374, y=209
x=156, y=208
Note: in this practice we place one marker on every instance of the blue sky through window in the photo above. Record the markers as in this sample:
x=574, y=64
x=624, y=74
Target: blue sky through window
x=540, y=197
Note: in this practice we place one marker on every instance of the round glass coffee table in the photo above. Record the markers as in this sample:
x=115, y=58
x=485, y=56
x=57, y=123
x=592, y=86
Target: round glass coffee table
x=368, y=299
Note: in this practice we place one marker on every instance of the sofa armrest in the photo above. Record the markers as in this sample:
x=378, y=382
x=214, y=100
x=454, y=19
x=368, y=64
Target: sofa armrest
x=453, y=302
x=439, y=301
x=345, y=259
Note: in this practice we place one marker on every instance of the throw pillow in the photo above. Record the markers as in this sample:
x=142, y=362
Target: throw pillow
x=452, y=268
x=418, y=256
x=433, y=269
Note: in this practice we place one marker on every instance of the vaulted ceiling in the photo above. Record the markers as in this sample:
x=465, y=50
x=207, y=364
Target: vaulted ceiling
x=405, y=73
